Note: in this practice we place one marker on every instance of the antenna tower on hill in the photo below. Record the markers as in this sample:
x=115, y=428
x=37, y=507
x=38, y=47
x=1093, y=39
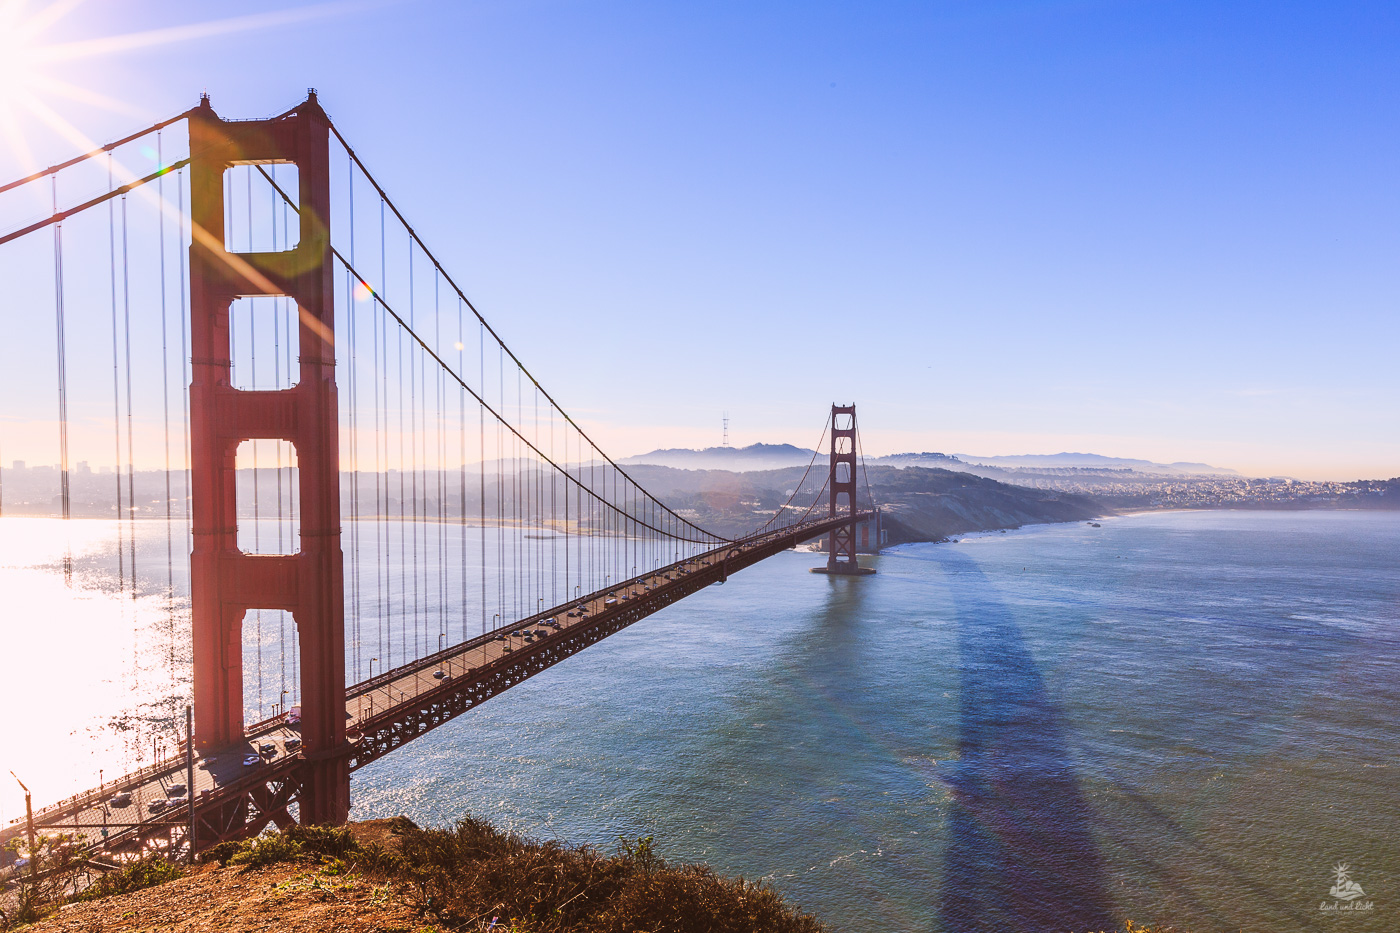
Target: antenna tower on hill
x=726, y=430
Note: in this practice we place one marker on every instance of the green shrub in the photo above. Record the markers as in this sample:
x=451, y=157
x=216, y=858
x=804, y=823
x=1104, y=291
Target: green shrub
x=147, y=872
x=222, y=852
x=267, y=849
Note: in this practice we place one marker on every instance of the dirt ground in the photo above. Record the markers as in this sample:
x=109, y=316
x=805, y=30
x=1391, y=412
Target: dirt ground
x=284, y=897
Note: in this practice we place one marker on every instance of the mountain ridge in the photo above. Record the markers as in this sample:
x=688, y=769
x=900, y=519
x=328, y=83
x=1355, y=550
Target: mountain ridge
x=778, y=456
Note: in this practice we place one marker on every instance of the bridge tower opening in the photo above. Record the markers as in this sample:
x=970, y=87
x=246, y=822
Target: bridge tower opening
x=226, y=582
x=841, y=542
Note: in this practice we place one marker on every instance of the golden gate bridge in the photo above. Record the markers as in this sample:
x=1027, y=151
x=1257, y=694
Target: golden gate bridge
x=303, y=350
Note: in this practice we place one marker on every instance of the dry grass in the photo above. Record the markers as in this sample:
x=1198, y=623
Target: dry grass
x=473, y=873
x=389, y=875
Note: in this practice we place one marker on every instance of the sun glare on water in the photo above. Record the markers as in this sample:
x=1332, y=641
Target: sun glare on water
x=87, y=654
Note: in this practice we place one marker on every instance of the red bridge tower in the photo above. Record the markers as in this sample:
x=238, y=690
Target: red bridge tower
x=225, y=582
x=841, y=543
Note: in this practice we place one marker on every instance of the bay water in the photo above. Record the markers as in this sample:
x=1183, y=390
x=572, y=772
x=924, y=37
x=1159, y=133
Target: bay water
x=1178, y=718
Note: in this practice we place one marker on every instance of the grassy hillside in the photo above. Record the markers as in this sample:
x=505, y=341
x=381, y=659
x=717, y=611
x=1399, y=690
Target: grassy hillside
x=923, y=504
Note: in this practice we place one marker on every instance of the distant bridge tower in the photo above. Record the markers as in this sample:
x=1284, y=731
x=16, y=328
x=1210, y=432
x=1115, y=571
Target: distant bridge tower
x=225, y=582
x=841, y=542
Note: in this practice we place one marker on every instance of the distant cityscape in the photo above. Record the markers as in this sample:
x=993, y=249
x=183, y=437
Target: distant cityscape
x=1128, y=489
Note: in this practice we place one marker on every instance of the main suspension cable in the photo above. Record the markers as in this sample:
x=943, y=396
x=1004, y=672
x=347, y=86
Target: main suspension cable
x=52, y=169
x=447, y=276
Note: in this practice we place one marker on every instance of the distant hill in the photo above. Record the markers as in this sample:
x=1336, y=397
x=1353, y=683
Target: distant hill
x=734, y=459
x=920, y=504
x=926, y=459
x=778, y=456
x=772, y=457
x=1092, y=461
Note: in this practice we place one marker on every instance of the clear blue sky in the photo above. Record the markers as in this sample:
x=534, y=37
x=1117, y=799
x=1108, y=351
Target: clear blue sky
x=1148, y=229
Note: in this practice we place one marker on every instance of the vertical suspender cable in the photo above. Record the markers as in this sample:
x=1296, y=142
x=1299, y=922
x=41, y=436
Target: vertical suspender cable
x=481, y=449
x=381, y=527
x=130, y=446
x=62, y=371
x=413, y=441
x=350, y=316
x=116, y=378
x=500, y=490
x=165, y=410
x=277, y=304
x=184, y=351
x=441, y=538
x=62, y=341
x=462, y=444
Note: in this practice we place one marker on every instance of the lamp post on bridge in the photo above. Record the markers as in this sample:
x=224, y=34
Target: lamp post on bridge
x=29, y=823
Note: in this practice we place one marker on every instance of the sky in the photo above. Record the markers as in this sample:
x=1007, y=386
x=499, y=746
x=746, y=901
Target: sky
x=1140, y=229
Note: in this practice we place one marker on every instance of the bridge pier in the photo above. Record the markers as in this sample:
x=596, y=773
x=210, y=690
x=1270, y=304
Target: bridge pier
x=841, y=542
x=225, y=582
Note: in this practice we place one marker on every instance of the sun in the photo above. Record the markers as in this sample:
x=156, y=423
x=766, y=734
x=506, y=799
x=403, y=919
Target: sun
x=24, y=81
x=30, y=65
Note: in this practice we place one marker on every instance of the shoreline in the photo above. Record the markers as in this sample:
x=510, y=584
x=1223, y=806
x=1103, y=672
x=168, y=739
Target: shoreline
x=983, y=533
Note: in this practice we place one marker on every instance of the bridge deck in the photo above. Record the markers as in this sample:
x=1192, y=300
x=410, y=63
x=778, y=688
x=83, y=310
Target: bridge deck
x=386, y=711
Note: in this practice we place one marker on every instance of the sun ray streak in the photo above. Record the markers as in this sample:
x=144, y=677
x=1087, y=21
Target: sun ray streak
x=84, y=96
x=46, y=17
x=10, y=128
x=107, y=45
x=153, y=196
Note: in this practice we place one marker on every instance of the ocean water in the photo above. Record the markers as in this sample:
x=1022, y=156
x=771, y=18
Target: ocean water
x=1176, y=718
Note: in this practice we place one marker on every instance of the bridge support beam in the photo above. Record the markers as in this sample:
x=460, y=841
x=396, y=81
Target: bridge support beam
x=841, y=542
x=225, y=582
